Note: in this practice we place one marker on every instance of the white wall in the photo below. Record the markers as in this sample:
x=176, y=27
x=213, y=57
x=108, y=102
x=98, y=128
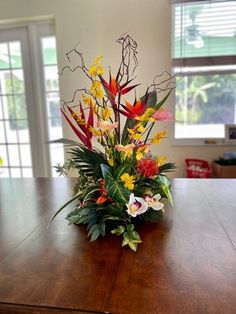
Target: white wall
x=96, y=24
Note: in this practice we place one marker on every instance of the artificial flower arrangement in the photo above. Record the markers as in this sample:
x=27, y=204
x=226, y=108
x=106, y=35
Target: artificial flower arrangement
x=120, y=182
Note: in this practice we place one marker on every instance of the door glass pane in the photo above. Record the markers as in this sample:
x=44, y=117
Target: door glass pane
x=25, y=155
x=14, y=123
x=4, y=56
x=51, y=78
x=18, y=81
x=49, y=50
x=14, y=155
x=15, y=54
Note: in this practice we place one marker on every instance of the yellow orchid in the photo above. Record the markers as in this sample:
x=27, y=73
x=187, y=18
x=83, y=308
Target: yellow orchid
x=140, y=151
x=146, y=116
x=96, y=89
x=87, y=100
x=128, y=181
x=127, y=149
x=78, y=118
x=161, y=159
x=134, y=134
x=96, y=68
x=97, y=133
x=106, y=113
x=158, y=136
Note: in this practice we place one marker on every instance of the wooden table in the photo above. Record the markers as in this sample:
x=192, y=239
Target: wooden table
x=186, y=263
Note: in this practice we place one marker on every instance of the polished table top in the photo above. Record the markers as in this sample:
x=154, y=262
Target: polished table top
x=186, y=263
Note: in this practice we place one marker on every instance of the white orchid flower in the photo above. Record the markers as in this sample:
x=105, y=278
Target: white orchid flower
x=153, y=201
x=136, y=206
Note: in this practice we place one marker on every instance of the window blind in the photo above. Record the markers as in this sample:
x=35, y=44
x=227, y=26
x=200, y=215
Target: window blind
x=204, y=32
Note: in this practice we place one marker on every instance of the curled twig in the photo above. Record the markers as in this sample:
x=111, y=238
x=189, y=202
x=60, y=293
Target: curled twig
x=128, y=57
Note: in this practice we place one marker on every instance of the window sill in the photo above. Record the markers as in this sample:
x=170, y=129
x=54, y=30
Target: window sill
x=201, y=142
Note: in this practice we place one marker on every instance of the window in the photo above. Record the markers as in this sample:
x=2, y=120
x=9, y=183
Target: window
x=29, y=101
x=204, y=61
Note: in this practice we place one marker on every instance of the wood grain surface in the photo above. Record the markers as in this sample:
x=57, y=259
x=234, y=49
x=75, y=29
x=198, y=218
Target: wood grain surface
x=186, y=263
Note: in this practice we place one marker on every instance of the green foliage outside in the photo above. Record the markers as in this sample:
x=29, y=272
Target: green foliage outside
x=206, y=99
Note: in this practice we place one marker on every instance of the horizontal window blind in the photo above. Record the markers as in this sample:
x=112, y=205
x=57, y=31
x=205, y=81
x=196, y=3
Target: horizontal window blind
x=204, y=32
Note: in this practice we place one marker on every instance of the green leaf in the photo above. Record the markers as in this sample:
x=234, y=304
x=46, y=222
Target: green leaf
x=151, y=99
x=121, y=170
x=161, y=103
x=169, y=166
x=73, y=219
x=92, y=229
x=129, y=124
x=95, y=235
x=65, y=205
x=118, y=230
x=165, y=187
x=102, y=228
x=130, y=228
x=115, y=189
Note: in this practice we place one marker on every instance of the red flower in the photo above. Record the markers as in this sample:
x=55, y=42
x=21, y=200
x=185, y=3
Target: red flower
x=103, y=194
x=86, y=135
x=113, y=86
x=147, y=167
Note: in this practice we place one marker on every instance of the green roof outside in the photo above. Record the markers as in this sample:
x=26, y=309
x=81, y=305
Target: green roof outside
x=213, y=46
x=49, y=58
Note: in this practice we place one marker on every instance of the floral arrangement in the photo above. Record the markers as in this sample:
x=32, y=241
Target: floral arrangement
x=120, y=182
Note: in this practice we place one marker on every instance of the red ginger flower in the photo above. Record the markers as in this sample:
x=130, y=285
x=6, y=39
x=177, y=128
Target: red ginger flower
x=147, y=167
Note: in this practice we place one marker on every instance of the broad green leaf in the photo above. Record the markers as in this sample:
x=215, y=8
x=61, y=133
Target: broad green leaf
x=73, y=219
x=166, y=187
x=118, y=230
x=92, y=229
x=121, y=170
x=130, y=228
x=115, y=188
x=102, y=228
x=95, y=235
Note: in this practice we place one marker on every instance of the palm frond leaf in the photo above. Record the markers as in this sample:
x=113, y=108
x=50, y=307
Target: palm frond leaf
x=88, y=161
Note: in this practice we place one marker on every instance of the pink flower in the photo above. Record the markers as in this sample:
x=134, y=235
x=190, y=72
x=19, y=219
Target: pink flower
x=163, y=115
x=127, y=149
x=105, y=126
x=153, y=201
x=136, y=206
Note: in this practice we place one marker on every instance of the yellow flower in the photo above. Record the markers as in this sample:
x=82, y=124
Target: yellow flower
x=158, y=136
x=96, y=89
x=127, y=149
x=78, y=118
x=140, y=151
x=140, y=128
x=161, y=160
x=106, y=113
x=88, y=100
x=128, y=181
x=95, y=132
x=134, y=134
x=111, y=162
x=146, y=115
x=96, y=68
